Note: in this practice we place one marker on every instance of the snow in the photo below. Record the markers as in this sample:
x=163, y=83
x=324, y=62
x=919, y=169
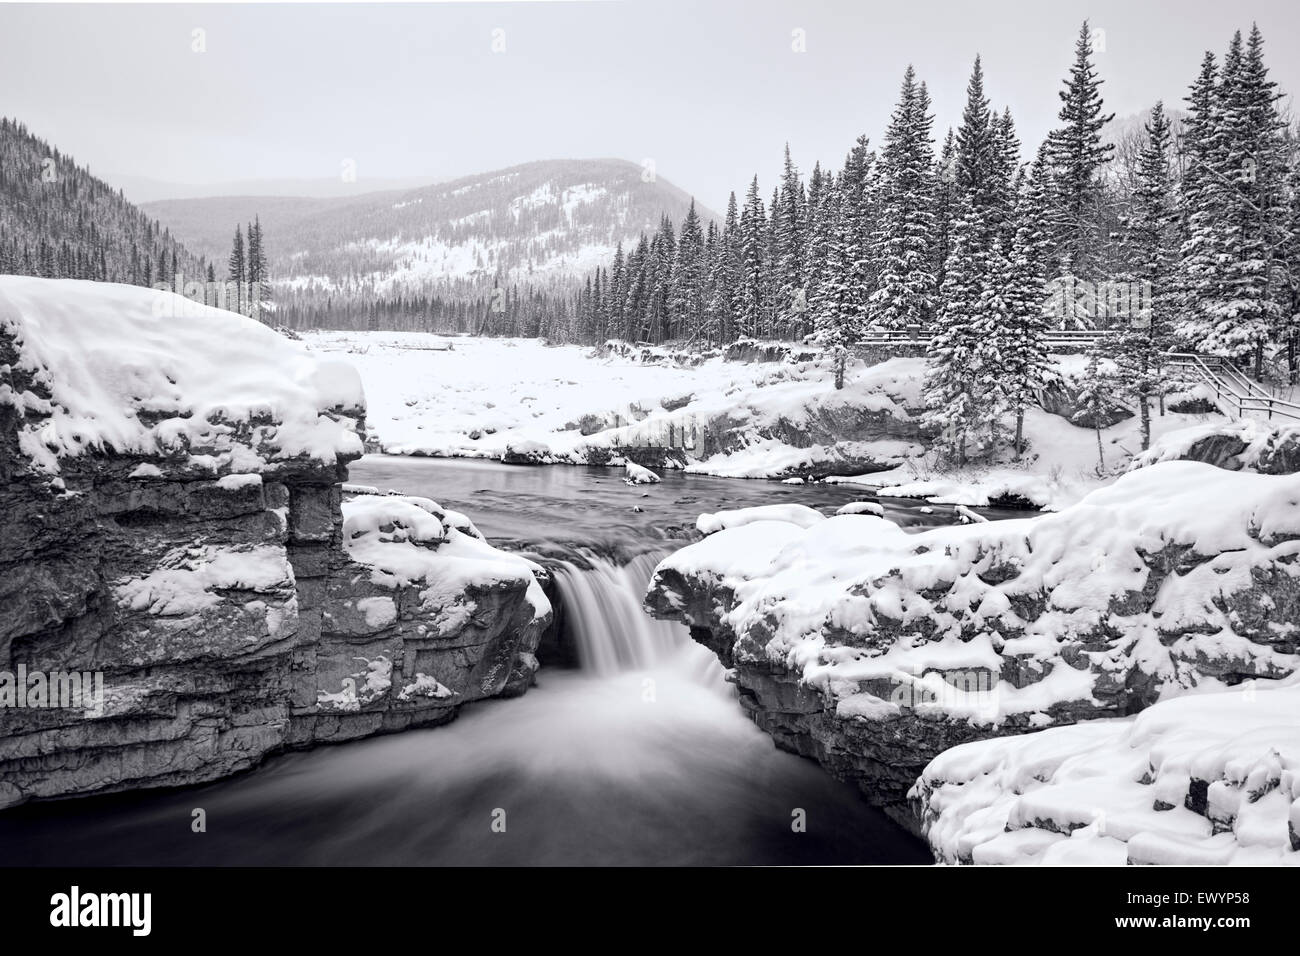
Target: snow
x=488, y=394
x=239, y=482
x=412, y=541
x=1059, y=469
x=367, y=684
x=929, y=601
x=800, y=516
x=189, y=580
x=636, y=475
x=1116, y=791
x=862, y=508
x=134, y=370
x=1257, y=437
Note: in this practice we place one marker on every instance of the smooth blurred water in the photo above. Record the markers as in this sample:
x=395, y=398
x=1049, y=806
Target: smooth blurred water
x=642, y=756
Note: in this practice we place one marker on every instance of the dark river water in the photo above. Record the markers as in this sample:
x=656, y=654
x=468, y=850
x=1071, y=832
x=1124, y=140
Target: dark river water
x=640, y=756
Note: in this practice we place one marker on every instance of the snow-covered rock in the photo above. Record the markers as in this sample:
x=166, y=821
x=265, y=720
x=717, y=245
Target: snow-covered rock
x=799, y=515
x=526, y=451
x=1201, y=779
x=1244, y=445
x=171, y=519
x=874, y=649
x=115, y=368
x=637, y=475
x=862, y=508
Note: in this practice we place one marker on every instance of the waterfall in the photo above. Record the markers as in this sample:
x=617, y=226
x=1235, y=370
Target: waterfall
x=611, y=629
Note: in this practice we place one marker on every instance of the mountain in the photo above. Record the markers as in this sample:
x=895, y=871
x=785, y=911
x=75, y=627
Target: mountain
x=144, y=190
x=543, y=225
x=60, y=221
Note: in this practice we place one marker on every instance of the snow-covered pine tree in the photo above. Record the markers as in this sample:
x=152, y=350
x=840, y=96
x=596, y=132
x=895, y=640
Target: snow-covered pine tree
x=259, y=284
x=855, y=219
x=945, y=195
x=663, y=253
x=955, y=407
x=1249, y=228
x=1289, y=331
x=752, y=250
x=1198, y=206
x=771, y=275
x=1015, y=349
x=1078, y=154
x=790, y=226
x=1006, y=164
x=727, y=282
x=689, y=278
x=1137, y=342
x=237, y=270
x=1096, y=396
x=902, y=241
x=617, y=295
x=977, y=157
x=837, y=318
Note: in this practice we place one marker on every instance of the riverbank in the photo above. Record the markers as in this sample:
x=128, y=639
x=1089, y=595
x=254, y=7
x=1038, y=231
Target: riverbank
x=756, y=414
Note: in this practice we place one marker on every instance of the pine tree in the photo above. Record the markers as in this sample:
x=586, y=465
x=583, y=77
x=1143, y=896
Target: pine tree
x=855, y=222
x=905, y=291
x=1249, y=229
x=1138, y=342
x=962, y=398
x=1096, y=397
x=1199, y=206
x=955, y=406
x=789, y=266
x=837, y=318
x=238, y=269
x=689, y=278
x=753, y=258
x=1078, y=154
x=945, y=197
x=1015, y=343
x=259, y=286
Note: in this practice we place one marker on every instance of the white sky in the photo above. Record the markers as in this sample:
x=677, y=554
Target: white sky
x=710, y=90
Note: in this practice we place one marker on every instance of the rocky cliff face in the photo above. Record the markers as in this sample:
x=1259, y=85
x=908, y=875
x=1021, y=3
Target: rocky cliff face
x=172, y=527
x=872, y=650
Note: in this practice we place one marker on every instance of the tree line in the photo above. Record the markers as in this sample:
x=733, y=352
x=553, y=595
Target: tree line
x=1195, y=246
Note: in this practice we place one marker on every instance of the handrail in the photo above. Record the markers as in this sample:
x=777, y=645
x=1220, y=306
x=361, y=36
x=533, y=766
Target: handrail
x=1247, y=395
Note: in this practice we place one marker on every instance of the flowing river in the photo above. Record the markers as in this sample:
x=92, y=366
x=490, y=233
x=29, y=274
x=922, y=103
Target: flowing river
x=640, y=754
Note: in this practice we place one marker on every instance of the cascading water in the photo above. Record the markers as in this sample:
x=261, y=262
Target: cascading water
x=613, y=633
x=641, y=756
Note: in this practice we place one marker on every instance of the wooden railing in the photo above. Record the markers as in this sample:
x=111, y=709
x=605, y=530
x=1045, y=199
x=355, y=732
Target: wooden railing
x=919, y=335
x=1236, y=393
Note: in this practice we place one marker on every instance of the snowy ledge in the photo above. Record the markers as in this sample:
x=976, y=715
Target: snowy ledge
x=1206, y=779
x=877, y=649
x=98, y=367
x=1182, y=572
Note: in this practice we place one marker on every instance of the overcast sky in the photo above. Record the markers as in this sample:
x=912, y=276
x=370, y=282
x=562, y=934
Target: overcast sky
x=710, y=90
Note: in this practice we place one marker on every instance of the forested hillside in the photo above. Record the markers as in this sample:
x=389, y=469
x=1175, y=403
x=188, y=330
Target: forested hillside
x=58, y=220
x=431, y=257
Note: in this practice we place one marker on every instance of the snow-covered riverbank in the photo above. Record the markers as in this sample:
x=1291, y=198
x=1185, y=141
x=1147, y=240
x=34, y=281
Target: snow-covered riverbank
x=495, y=398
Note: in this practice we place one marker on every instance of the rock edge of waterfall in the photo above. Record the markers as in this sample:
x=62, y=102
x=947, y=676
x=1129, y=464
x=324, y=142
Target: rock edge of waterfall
x=998, y=647
x=174, y=531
